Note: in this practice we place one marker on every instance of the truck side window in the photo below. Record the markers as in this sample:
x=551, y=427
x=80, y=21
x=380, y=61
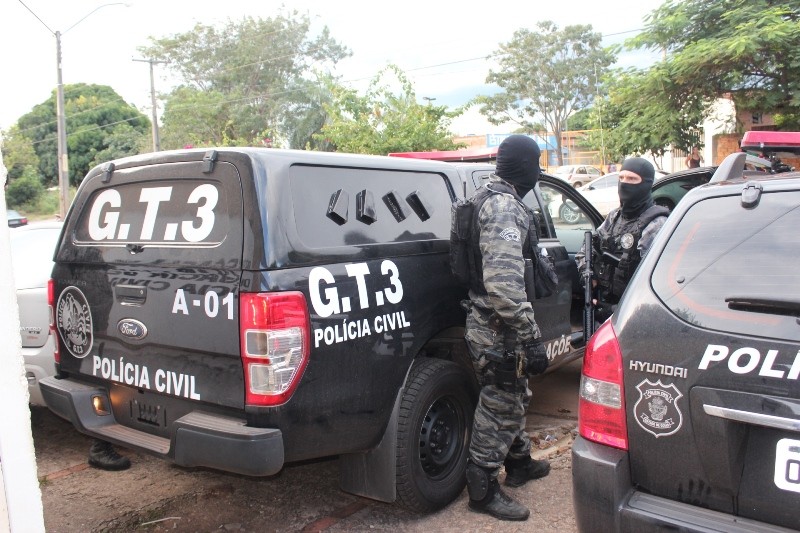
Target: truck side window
x=569, y=220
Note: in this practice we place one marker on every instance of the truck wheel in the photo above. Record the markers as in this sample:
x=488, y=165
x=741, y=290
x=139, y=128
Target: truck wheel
x=569, y=215
x=433, y=431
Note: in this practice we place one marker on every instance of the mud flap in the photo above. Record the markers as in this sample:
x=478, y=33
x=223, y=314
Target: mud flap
x=372, y=474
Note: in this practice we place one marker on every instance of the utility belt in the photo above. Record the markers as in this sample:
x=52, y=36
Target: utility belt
x=506, y=371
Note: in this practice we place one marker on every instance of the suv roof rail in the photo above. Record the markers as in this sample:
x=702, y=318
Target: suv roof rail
x=732, y=167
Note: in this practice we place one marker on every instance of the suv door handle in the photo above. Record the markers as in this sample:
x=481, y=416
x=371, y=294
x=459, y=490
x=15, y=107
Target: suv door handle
x=758, y=419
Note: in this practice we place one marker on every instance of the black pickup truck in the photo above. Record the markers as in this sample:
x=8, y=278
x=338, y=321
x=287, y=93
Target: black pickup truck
x=243, y=308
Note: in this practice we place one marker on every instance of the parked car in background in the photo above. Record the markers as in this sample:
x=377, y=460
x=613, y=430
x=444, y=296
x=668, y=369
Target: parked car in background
x=578, y=175
x=689, y=408
x=603, y=193
x=15, y=220
x=669, y=190
x=32, y=250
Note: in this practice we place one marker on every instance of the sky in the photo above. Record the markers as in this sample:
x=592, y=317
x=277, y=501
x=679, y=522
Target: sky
x=441, y=45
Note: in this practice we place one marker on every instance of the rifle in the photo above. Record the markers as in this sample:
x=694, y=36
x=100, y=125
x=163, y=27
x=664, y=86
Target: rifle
x=588, y=296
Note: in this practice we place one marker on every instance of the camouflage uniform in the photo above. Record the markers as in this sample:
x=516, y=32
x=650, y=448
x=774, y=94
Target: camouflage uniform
x=499, y=426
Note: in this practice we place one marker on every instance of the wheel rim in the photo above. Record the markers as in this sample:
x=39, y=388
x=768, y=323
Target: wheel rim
x=441, y=437
x=568, y=215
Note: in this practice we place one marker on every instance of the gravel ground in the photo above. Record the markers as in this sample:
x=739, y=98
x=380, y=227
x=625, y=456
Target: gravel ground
x=158, y=497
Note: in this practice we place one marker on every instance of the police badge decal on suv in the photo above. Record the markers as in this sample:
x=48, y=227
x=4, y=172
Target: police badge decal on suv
x=690, y=395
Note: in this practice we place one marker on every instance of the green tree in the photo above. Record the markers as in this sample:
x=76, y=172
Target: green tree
x=548, y=72
x=246, y=81
x=123, y=140
x=26, y=189
x=630, y=121
x=747, y=50
x=91, y=112
x=383, y=121
x=18, y=153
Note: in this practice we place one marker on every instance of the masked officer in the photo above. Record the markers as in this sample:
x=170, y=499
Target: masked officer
x=623, y=239
x=502, y=334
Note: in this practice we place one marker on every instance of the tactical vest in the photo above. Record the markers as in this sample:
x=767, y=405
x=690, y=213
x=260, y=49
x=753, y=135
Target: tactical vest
x=622, y=241
x=528, y=245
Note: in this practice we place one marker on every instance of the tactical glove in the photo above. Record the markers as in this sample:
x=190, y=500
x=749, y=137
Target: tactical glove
x=536, y=361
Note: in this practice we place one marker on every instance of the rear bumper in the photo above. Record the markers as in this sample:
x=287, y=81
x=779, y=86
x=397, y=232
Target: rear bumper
x=605, y=500
x=196, y=439
x=39, y=364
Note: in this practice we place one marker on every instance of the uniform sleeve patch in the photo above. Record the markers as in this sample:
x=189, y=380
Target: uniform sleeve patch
x=511, y=234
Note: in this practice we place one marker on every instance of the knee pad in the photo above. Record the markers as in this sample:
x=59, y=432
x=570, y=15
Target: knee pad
x=478, y=480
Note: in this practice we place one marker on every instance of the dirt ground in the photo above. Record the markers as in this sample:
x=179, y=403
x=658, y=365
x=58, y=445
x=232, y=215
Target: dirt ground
x=155, y=496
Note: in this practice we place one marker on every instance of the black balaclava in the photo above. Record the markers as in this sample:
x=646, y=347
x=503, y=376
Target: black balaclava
x=518, y=162
x=634, y=199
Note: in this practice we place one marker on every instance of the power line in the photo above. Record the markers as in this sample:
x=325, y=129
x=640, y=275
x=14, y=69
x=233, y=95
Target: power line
x=278, y=93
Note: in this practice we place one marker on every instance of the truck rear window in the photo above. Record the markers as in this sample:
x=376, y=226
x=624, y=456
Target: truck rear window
x=186, y=213
x=733, y=269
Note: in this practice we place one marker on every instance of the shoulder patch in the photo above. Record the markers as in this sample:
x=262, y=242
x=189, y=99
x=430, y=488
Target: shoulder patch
x=511, y=234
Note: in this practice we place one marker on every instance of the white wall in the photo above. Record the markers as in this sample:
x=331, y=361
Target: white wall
x=20, y=497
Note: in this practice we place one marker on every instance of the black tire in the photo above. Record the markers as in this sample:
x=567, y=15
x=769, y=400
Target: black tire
x=665, y=202
x=568, y=215
x=433, y=432
x=577, y=184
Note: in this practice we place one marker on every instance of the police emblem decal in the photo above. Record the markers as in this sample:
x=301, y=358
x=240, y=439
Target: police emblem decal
x=656, y=410
x=626, y=241
x=74, y=322
x=511, y=234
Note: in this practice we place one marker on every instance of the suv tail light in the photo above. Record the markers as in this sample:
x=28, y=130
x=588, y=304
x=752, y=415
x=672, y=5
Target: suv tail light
x=274, y=331
x=51, y=304
x=601, y=405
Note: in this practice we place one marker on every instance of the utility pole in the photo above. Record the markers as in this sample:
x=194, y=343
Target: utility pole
x=61, y=119
x=61, y=126
x=156, y=141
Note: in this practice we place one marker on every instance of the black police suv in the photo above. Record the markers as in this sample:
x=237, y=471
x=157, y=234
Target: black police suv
x=242, y=308
x=690, y=395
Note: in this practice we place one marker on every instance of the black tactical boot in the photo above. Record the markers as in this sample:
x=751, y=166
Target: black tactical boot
x=520, y=471
x=485, y=496
x=103, y=455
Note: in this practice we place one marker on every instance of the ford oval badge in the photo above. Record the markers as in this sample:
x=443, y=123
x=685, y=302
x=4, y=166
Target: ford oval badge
x=133, y=329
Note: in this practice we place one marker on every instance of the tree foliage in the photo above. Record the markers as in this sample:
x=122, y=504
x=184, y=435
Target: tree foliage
x=92, y=113
x=384, y=121
x=748, y=50
x=26, y=189
x=18, y=153
x=246, y=81
x=632, y=123
x=548, y=72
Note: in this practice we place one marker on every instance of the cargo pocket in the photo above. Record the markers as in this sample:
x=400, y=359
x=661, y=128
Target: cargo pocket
x=480, y=337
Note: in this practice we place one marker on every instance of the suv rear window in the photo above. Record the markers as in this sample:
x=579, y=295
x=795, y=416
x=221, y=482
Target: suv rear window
x=733, y=269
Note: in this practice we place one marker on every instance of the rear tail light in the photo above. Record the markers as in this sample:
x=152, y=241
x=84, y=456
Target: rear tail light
x=274, y=335
x=601, y=405
x=51, y=304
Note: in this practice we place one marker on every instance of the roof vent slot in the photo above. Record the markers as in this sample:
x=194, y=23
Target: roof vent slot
x=209, y=159
x=108, y=170
x=420, y=206
x=392, y=201
x=365, y=207
x=751, y=194
x=338, y=207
